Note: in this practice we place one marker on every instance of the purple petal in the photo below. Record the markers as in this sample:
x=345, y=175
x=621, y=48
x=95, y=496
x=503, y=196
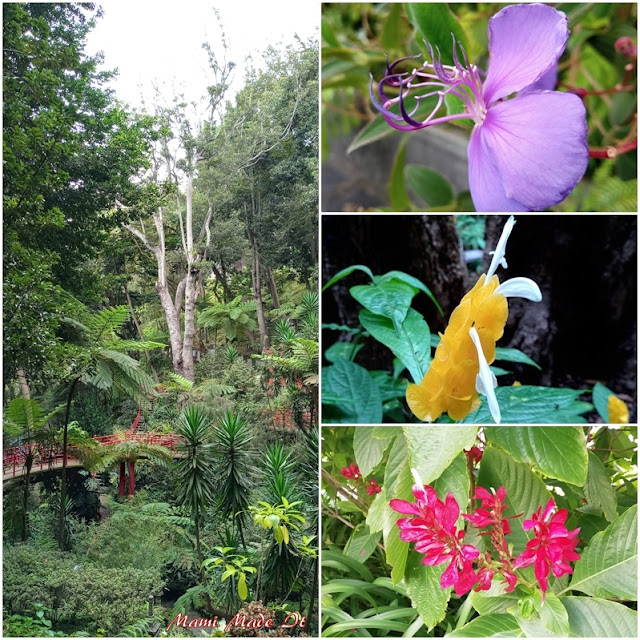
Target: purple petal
x=547, y=82
x=485, y=182
x=539, y=145
x=525, y=40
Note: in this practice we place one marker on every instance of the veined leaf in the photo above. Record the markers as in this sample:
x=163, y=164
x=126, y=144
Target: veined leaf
x=368, y=449
x=494, y=625
x=608, y=567
x=597, y=618
x=559, y=452
x=423, y=586
x=598, y=489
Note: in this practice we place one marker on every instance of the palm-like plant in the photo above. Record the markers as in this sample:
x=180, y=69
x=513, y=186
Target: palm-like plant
x=24, y=418
x=232, y=438
x=99, y=360
x=195, y=488
x=236, y=318
x=126, y=454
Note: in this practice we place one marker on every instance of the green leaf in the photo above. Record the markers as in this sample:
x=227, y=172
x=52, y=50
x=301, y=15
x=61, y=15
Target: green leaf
x=368, y=449
x=337, y=560
x=413, y=282
x=505, y=354
x=350, y=387
x=389, y=299
x=525, y=490
x=549, y=620
x=494, y=600
x=559, y=452
x=408, y=341
x=455, y=480
x=600, y=398
x=432, y=448
x=361, y=544
x=396, y=461
x=243, y=592
x=383, y=621
x=608, y=567
x=533, y=405
x=391, y=34
x=435, y=23
x=397, y=549
x=596, y=618
x=428, y=185
x=398, y=198
x=494, y=625
x=598, y=489
x=346, y=272
x=423, y=586
x=342, y=351
x=328, y=35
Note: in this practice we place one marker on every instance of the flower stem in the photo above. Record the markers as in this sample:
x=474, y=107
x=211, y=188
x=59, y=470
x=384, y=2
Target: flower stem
x=613, y=152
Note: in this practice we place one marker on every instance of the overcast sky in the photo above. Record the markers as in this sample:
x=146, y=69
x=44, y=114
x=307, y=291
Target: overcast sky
x=162, y=41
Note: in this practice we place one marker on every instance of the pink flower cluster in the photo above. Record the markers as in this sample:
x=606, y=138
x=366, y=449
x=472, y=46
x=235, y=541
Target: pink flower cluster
x=431, y=525
x=353, y=473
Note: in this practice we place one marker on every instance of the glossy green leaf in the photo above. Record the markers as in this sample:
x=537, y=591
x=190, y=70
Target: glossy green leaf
x=600, y=398
x=525, y=490
x=390, y=299
x=598, y=489
x=385, y=621
x=608, y=567
x=350, y=387
x=428, y=185
x=435, y=23
x=342, y=351
x=559, y=452
x=411, y=281
x=334, y=559
x=494, y=625
x=409, y=341
x=432, y=448
x=533, y=405
x=597, y=618
x=346, y=272
x=506, y=354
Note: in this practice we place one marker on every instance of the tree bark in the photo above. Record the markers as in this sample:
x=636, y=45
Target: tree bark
x=28, y=457
x=426, y=247
x=584, y=330
x=140, y=334
x=63, y=474
x=257, y=294
x=273, y=290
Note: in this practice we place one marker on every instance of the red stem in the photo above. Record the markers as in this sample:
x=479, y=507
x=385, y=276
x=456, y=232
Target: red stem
x=612, y=152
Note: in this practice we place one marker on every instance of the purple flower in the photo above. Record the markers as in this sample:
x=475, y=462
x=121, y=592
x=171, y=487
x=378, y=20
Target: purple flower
x=526, y=153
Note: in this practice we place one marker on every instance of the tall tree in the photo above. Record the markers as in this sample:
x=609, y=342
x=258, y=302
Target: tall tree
x=69, y=152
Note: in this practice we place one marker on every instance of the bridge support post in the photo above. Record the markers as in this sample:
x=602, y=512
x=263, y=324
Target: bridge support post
x=132, y=478
x=121, y=485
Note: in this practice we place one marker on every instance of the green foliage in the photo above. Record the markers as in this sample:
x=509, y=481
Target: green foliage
x=75, y=592
x=369, y=571
x=232, y=437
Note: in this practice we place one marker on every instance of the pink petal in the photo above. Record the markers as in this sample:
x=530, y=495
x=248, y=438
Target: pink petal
x=525, y=41
x=402, y=506
x=535, y=146
x=524, y=559
x=450, y=575
x=469, y=552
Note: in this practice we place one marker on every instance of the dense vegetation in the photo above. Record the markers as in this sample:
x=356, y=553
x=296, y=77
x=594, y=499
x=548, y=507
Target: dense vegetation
x=160, y=294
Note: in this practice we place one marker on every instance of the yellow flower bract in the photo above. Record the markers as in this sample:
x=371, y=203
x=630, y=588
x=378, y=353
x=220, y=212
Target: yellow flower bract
x=617, y=410
x=450, y=382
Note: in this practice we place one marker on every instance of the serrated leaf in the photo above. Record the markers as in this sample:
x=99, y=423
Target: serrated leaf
x=525, y=491
x=432, y=448
x=559, y=452
x=494, y=600
x=409, y=341
x=598, y=490
x=423, y=587
x=368, y=449
x=597, y=618
x=608, y=567
x=495, y=625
